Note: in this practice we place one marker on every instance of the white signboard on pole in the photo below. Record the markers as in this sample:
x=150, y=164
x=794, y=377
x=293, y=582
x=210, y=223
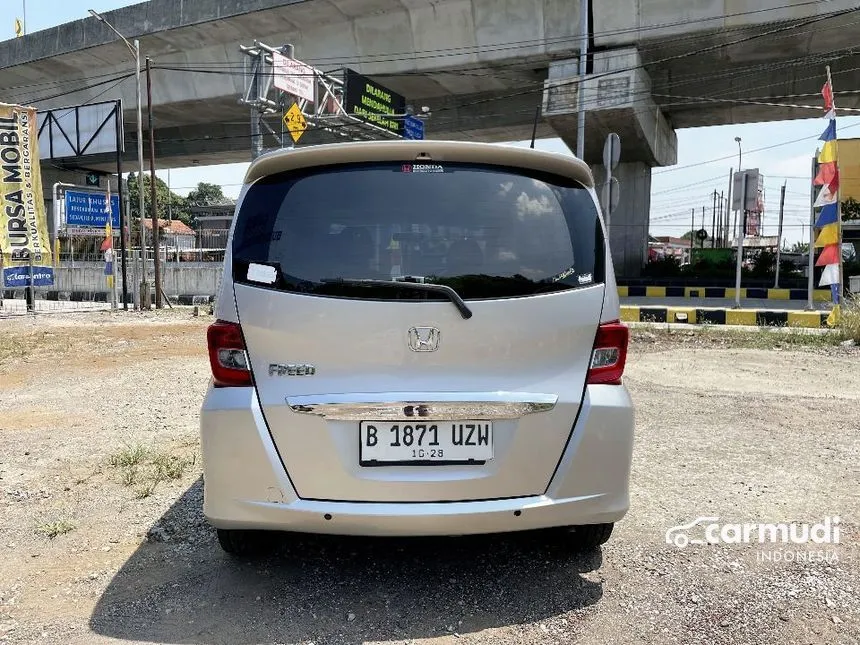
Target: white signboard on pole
x=293, y=76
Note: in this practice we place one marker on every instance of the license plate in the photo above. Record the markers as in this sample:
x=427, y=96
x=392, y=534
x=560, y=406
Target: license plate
x=425, y=443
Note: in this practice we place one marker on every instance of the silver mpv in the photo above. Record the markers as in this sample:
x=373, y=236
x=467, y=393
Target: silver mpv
x=416, y=338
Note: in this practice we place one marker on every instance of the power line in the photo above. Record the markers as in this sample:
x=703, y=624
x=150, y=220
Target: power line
x=733, y=156
x=119, y=78
x=443, y=109
x=702, y=50
x=481, y=49
x=410, y=55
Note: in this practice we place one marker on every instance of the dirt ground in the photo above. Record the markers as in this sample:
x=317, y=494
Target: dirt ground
x=103, y=544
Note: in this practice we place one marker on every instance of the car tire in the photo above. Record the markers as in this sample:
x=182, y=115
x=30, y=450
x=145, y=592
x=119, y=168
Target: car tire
x=245, y=543
x=590, y=536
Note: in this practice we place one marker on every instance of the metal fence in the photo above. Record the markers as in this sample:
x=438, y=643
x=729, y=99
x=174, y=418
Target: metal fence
x=203, y=246
x=190, y=274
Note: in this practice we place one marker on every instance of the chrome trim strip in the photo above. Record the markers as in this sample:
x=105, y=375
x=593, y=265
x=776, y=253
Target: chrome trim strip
x=441, y=406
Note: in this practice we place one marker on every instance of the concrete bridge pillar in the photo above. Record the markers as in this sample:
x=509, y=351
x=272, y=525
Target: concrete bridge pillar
x=618, y=99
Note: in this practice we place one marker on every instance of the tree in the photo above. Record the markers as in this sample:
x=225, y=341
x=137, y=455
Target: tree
x=850, y=209
x=167, y=202
x=800, y=247
x=207, y=194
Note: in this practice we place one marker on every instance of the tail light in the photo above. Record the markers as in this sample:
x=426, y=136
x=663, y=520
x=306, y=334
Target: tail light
x=227, y=356
x=609, y=354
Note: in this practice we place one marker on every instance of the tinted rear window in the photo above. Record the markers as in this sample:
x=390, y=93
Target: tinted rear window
x=487, y=232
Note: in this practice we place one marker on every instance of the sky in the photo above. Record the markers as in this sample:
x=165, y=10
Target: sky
x=782, y=151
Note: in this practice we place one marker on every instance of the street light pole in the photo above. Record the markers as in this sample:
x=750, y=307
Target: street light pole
x=144, y=292
x=740, y=153
x=135, y=52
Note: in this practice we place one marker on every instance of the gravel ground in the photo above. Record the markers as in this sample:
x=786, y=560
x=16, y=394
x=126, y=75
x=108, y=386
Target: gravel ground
x=749, y=435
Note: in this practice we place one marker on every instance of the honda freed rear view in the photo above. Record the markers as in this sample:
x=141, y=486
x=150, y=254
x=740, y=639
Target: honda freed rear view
x=416, y=338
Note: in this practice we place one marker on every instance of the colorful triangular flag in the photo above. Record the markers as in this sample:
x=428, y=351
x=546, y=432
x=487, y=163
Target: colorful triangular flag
x=827, y=93
x=830, y=275
x=830, y=255
x=825, y=197
x=829, y=133
x=108, y=241
x=828, y=153
x=827, y=216
x=827, y=173
x=828, y=235
x=833, y=318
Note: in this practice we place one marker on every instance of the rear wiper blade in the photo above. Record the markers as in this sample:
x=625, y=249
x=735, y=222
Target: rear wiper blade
x=453, y=296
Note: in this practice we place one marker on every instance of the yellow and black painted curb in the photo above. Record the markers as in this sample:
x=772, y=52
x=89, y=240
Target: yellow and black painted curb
x=818, y=295
x=703, y=316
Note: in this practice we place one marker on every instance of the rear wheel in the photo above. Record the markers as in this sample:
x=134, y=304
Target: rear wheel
x=246, y=543
x=590, y=536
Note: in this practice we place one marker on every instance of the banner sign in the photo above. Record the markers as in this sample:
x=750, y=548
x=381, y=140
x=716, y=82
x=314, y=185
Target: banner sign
x=88, y=209
x=24, y=237
x=373, y=102
x=293, y=77
x=19, y=277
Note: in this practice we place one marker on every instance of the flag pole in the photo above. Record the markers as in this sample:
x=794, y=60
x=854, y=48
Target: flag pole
x=840, y=290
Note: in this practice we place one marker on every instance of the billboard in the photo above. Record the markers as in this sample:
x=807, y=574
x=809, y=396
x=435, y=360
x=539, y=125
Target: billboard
x=755, y=191
x=81, y=130
x=89, y=209
x=24, y=240
x=372, y=101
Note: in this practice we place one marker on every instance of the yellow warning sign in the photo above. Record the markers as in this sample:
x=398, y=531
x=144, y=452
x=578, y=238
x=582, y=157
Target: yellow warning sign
x=295, y=122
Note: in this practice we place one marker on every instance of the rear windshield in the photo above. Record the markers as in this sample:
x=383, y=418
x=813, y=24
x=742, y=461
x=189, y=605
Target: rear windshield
x=486, y=232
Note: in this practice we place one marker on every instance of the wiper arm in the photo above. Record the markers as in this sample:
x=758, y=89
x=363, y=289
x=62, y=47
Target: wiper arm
x=453, y=296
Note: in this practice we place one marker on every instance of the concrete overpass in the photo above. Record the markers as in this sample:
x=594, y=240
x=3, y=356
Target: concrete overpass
x=483, y=66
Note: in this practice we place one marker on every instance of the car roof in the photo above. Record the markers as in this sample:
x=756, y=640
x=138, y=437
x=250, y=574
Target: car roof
x=422, y=151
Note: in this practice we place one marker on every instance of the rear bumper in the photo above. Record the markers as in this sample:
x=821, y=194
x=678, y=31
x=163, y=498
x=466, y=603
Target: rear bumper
x=245, y=486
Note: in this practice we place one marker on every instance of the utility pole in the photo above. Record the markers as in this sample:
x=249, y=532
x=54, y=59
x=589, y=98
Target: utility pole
x=729, y=203
x=123, y=211
x=152, y=191
x=256, y=135
x=722, y=223
x=143, y=290
x=779, y=235
x=741, y=234
x=714, y=220
x=580, y=88
x=692, y=231
x=135, y=52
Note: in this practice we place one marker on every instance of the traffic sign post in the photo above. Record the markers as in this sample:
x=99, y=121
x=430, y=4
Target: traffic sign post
x=413, y=128
x=295, y=122
x=611, y=192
